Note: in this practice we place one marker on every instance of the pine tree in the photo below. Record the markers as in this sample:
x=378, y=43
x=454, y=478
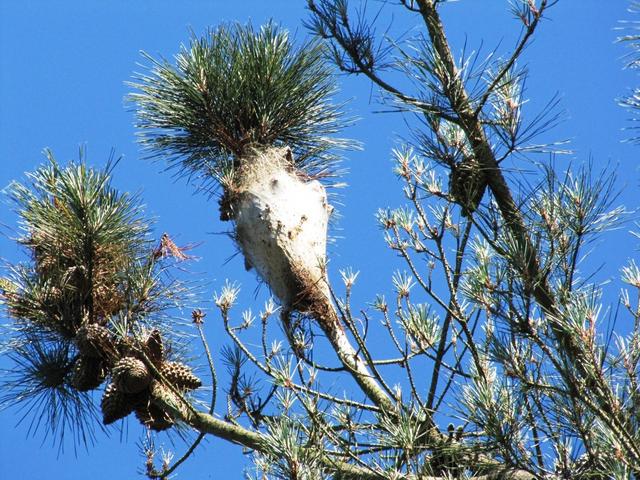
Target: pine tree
x=506, y=371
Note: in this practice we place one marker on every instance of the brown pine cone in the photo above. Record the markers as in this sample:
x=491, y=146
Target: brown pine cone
x=467, y=184
x=131, y=375
x=94, y=340
x=115, y=404
x=155, y=348
x=154, y=417
x=87, y=374
x=180, y=375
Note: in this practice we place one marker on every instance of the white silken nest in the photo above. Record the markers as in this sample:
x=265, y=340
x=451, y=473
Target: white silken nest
x=281, y=225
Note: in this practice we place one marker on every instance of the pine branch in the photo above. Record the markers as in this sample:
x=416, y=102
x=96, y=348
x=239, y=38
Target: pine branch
x=235, y=89
x=331, y=22
x=206, y=423
x=483, y=152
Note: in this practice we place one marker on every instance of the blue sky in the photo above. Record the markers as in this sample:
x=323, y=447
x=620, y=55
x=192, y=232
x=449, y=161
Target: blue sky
x=63, y=68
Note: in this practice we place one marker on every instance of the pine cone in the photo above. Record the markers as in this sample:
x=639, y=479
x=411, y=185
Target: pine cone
x=115, y=404
x=87, y=374
x=155, y=348
x=180, y=375
x=154, y=417
x=467, y=184
x=131, y=375
x=163, y=394
x=94, y=340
